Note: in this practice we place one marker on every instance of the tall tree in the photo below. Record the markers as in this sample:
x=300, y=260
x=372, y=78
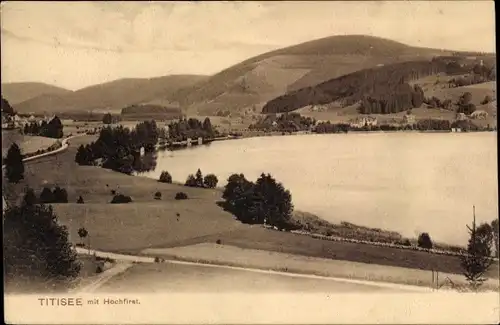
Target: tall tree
x=199, y=178
x=477, y=260
x=14, y=164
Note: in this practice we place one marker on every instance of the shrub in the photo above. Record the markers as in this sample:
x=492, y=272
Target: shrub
x=46, y=196
x=487, y=99
x=80, y=200
x=181, y=196
x=98, y=269
x=158, y=195
x=424, y=241
x=157, y=259
x=120, y=198
x=406, y=242
x=60, y=195
x=113, y=192
x=218, y=242
x=210, y=181
x=165, y=177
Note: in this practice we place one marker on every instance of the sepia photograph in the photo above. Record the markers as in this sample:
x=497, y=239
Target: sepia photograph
x=249, y=162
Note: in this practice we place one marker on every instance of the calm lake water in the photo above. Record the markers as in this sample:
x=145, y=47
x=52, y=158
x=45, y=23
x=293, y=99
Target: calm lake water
x=407, y=182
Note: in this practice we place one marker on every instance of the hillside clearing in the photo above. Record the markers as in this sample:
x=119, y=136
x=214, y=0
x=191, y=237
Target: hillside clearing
x=27, y=143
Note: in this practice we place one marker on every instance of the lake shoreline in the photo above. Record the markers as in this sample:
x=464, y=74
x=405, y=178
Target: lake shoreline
x=180, y=146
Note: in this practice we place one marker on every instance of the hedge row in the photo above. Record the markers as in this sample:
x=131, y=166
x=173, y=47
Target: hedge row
x=358, y=241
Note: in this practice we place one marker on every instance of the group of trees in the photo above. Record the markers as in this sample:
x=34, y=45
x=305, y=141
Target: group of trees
x=165, y=177
x=433, y=124
x=197, y=180
x=464, y=104
x=434, y=102
x=191, y=128
x=286, y=122
x=52, y=129
x=265, y=201
x=119, y=147
x=110, y=119
x=58, y=195
x=327, y=127
x=36, y=246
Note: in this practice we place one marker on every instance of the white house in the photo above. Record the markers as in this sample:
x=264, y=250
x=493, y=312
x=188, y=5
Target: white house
x=479, y=115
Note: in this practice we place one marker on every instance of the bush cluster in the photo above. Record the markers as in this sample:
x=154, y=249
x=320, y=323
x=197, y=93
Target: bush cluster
x=209, y=181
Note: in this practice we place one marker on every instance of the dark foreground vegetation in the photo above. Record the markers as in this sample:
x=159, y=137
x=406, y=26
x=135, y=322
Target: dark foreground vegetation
x=36, y=247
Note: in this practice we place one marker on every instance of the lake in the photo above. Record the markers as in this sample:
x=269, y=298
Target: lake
x=406, y=182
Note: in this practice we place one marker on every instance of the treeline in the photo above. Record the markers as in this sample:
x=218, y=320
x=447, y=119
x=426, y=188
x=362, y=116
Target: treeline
x=191, y=128
x=421, y=125
x=287, y=122
x=119, y=147
x=401, y=98
x=264, y=202
x=148, y=110
x=328, y=127
x=52, y=129
x=375, y=82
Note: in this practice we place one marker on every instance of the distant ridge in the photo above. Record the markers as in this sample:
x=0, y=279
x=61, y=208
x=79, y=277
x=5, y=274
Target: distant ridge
x=17, y=92
x=110, y=96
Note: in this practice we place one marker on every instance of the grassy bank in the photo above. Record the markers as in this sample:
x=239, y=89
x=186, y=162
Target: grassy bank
x=27, y=143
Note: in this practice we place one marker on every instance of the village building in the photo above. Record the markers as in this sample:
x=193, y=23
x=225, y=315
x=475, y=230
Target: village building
x=409, y=119
x=363, y=121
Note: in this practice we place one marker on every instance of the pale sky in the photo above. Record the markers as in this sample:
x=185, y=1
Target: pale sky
x=77, y=44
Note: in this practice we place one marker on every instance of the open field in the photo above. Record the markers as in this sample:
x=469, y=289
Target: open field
x=156, y=278
x=27, y=143
x=285, y=242
x=268, y=260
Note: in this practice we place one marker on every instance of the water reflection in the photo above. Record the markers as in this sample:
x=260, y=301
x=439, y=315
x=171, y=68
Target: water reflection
x=145, y=163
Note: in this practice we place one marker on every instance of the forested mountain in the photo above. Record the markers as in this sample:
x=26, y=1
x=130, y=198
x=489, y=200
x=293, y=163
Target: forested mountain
x=380, y=90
